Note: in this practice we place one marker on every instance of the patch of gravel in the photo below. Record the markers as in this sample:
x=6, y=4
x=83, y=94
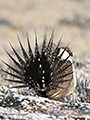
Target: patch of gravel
x=25, y=104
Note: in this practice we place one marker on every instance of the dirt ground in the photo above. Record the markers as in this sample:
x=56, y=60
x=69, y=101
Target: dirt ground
x=70, y=18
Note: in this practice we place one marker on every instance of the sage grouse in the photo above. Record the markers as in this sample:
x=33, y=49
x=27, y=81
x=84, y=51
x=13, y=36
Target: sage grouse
x=49, y=71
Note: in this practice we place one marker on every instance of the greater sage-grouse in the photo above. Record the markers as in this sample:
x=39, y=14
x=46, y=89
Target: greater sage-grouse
x=49, y=71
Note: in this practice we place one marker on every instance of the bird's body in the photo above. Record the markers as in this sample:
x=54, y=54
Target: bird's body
x=49, y=71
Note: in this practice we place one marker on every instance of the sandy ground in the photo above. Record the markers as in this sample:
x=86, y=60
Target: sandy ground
x=70, y=18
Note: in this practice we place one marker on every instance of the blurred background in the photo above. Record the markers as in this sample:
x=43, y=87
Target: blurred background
x=70, y=18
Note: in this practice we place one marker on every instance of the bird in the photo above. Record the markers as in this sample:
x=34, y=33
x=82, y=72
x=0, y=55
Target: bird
x=48, y=70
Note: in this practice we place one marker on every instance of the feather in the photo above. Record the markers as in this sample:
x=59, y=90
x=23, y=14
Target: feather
x=20, y=86
x=15, y=70
x=16, y=81
x=48, y=71
x=14, y=75
x=18, y=57
x=31, y=57
x=16, y=63
x=24, y=53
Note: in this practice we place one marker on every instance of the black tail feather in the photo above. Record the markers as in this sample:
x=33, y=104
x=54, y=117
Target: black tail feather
x=37, y=54
x=16, y=81
x=21, y=86
x=24, y=53
x=62, y=70
x=16, y=63
x=14, y=75
x=44, y=44
x=55, y=53
x=18, y=57
x=59, y=64
x=61, y=76
x=50, y=46
x=12, y=68
x=31, y=56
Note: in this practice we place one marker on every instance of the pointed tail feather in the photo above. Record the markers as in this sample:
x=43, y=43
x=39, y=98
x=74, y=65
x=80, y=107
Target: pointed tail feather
x=16, y=81
x=18, y=57
x=44, y=44
x=21, y=86
x=37, y=55
x=58, y=62
x=16, y=63
x=24, y=53
x=61, y=76
x=14, y=75
x=61, y=70
x=31, y=56
x=15, y=70
x=49, y=46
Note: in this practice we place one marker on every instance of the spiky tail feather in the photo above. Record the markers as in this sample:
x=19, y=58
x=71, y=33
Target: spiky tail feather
x=45, y=71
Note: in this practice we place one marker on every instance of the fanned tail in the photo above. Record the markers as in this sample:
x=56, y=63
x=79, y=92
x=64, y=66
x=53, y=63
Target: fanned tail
x=49, y=72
